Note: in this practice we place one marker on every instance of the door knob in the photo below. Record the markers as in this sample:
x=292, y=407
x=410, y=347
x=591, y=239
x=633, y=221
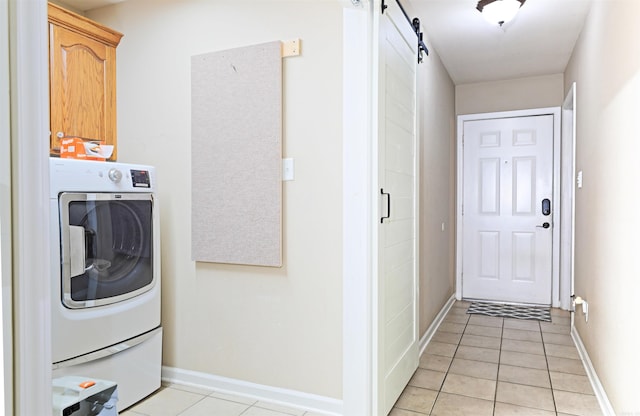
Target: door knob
x=544, y=225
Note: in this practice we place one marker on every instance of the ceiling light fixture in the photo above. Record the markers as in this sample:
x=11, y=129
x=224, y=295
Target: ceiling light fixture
x=499, y=12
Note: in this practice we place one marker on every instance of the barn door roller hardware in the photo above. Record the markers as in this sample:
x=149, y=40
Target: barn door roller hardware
x=415, y=24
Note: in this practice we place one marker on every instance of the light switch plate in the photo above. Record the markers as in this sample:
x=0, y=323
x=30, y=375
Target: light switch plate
x=287, y=169
x=579, y=180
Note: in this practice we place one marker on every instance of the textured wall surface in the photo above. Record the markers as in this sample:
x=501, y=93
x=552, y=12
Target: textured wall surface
x=236, y=156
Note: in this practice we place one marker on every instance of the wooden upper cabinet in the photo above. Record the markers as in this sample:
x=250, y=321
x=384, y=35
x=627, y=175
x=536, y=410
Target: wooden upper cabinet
x=82, y=79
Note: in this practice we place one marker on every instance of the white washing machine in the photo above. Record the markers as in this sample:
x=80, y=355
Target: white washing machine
x=105, y=320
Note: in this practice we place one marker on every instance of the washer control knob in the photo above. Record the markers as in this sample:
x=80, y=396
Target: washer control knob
x=115, y=175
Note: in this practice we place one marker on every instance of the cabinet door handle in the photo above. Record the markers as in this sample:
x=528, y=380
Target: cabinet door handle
x=383, y=193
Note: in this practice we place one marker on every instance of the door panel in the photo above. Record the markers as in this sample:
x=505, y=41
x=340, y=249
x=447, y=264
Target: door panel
x=508, y=171
x=397, y=284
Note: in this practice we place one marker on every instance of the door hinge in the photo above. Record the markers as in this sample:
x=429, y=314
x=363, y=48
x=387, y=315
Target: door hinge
x=383, y=7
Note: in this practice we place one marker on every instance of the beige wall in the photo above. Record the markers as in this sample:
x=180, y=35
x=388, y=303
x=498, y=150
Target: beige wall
x=279, y=327
x=437, y=188
x=507, y=95
x=606, y=67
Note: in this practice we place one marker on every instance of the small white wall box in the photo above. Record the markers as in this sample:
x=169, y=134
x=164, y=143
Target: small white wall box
x=84, y=396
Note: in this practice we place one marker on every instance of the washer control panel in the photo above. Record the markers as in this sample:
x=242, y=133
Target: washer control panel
x=70, y=175
x=140, y=178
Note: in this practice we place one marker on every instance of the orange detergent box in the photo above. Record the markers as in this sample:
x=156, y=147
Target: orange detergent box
x=78, y=148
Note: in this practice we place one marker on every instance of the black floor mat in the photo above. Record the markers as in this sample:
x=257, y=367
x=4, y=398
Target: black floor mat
x=510, y=311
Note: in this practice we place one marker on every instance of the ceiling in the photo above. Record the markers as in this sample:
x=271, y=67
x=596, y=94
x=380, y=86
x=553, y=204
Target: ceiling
x=539, y=41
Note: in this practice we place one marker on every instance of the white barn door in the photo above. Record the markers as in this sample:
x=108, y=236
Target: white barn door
x=397, y=326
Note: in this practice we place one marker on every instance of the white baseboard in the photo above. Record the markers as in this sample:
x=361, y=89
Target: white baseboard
x=601, y=395
x=436, y=324
x=285, y=397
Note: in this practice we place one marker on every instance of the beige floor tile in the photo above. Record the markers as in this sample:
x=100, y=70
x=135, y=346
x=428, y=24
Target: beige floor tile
x=462, y=304
x=504, y=409
x=576, y=403
x=478, y=354
x=564, y=351
x=566, y=365
x=258, y=411
x=279, y=408
x=522, y=335
x=130, y=413
x=556, y=329
x=435, y=362
x=447, y=337
x=191, y=389
x=479, y=369
x=527, y=347
x=454, y=405
x=457, y=319
x=416, y=399
x=479, y=388
x=560, y=312
x=452, y=327
x=483, y=331
x=521, y=359
x=571, y=382
x=170, y=402
x=522, y=375
x=559, y=339
x=526, y=396
x=211, y=406
x=458, y=311
x=484, y=320
x=561, y=320
x=480, y=341
x=427, y=379
x=522, y=324
x=401, y=412
x=441, y=348
x=233, y=398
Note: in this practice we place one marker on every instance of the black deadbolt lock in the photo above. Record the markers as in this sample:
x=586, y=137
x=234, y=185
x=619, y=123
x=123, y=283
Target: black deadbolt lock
x=546, y=206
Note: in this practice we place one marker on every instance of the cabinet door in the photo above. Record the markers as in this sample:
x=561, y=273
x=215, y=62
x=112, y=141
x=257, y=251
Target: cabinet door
x=82, y=82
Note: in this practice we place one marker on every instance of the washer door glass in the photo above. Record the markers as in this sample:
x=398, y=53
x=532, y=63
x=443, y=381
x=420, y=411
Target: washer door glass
x=107, y=247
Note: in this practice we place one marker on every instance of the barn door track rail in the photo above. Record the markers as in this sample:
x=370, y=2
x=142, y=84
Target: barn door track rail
x=415, y=25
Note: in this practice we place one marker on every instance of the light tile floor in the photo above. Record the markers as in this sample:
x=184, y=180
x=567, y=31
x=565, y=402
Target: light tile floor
x=179, y=400
x=480, y=365
x=474, y=365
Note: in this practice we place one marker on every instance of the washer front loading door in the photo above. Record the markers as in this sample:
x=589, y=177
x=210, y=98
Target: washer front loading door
x=106, y=247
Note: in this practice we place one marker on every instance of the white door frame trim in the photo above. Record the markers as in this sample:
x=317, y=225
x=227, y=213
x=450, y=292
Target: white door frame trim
x=6, y=287
x=558, y=297
x=568, y=192
x=29, y=42
x=359, y=199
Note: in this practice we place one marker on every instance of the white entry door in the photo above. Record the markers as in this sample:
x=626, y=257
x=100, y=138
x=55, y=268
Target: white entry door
x=397, y=352
x=507, y=216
